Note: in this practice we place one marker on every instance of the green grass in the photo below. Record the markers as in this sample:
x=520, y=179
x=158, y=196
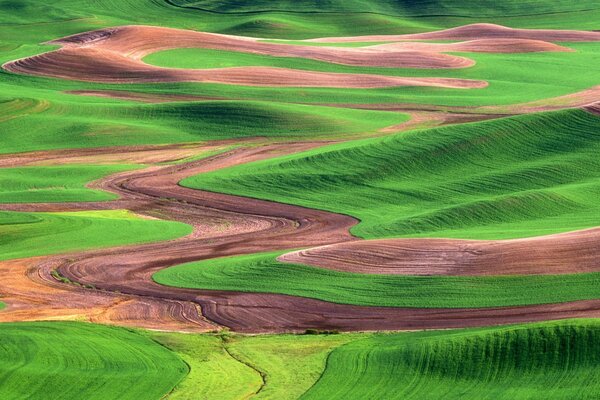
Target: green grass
x=478, y=8
x=229, y=366
x=33, y=234
x=66, y=360
x=109, y=123
x=55, y=183
x=214, y=374
x=506, y=178
x=262, y=273
x=550, y=360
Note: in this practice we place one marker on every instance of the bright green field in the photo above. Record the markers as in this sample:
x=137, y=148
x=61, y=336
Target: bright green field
x=55, y=183
x=262, y=273
x=478, y=8
x=229, y=367
x=550, y=360
x=33, y=234
x=506, y=178
x=65, y=360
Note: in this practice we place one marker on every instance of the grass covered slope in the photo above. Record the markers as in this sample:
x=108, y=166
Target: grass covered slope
x=551, y=360
x=65, y=360
x=233, y=367
x=55, y=183
x=95, y=123
x=513, y=177
x=262, y=273
x=478, y=8
x=34, y=234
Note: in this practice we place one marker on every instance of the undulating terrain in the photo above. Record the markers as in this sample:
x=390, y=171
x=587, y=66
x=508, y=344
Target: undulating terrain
x=365, y=199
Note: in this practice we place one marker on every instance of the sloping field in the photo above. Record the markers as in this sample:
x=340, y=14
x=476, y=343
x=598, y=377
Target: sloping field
x=231, y=367
x=478, y=8
x=507, y=178
x=59, y=360
x=101, y=125
x=557, y=360
x=54, y=183
x=32, y=234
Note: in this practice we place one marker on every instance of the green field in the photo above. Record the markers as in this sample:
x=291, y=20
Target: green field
x=93, y=123
x=551, y=360
x=228, y=367
x=34, y=234
x=262, y=273
x=506, y=178
x=65, y=360
x=555, y=360
x=478, y=8
x=61, y=183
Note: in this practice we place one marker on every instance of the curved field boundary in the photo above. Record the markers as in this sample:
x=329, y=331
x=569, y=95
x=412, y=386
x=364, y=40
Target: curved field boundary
x=66, y=360
x=261, y=273
x=551, y=360
x=563, y=253
x=477, y=32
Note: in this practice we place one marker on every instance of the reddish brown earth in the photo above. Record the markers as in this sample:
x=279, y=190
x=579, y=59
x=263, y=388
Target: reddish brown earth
x=32, y=297
x=141, y=97
x=500, y=45
x=477, y=32
x=564, y=253
x=115, y=55
x=593, y=108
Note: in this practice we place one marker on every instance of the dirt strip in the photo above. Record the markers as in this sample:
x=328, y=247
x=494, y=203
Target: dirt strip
x=498, y=45
x=593, y=108
x=565, y=253
x=31, y=297
x=476, y=32
x=114, y=55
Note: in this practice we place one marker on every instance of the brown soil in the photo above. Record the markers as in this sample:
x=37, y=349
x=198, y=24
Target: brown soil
x=593, y=108
x=477, y=46
x=30, y=297
x=564, y=253
x=477, y=32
